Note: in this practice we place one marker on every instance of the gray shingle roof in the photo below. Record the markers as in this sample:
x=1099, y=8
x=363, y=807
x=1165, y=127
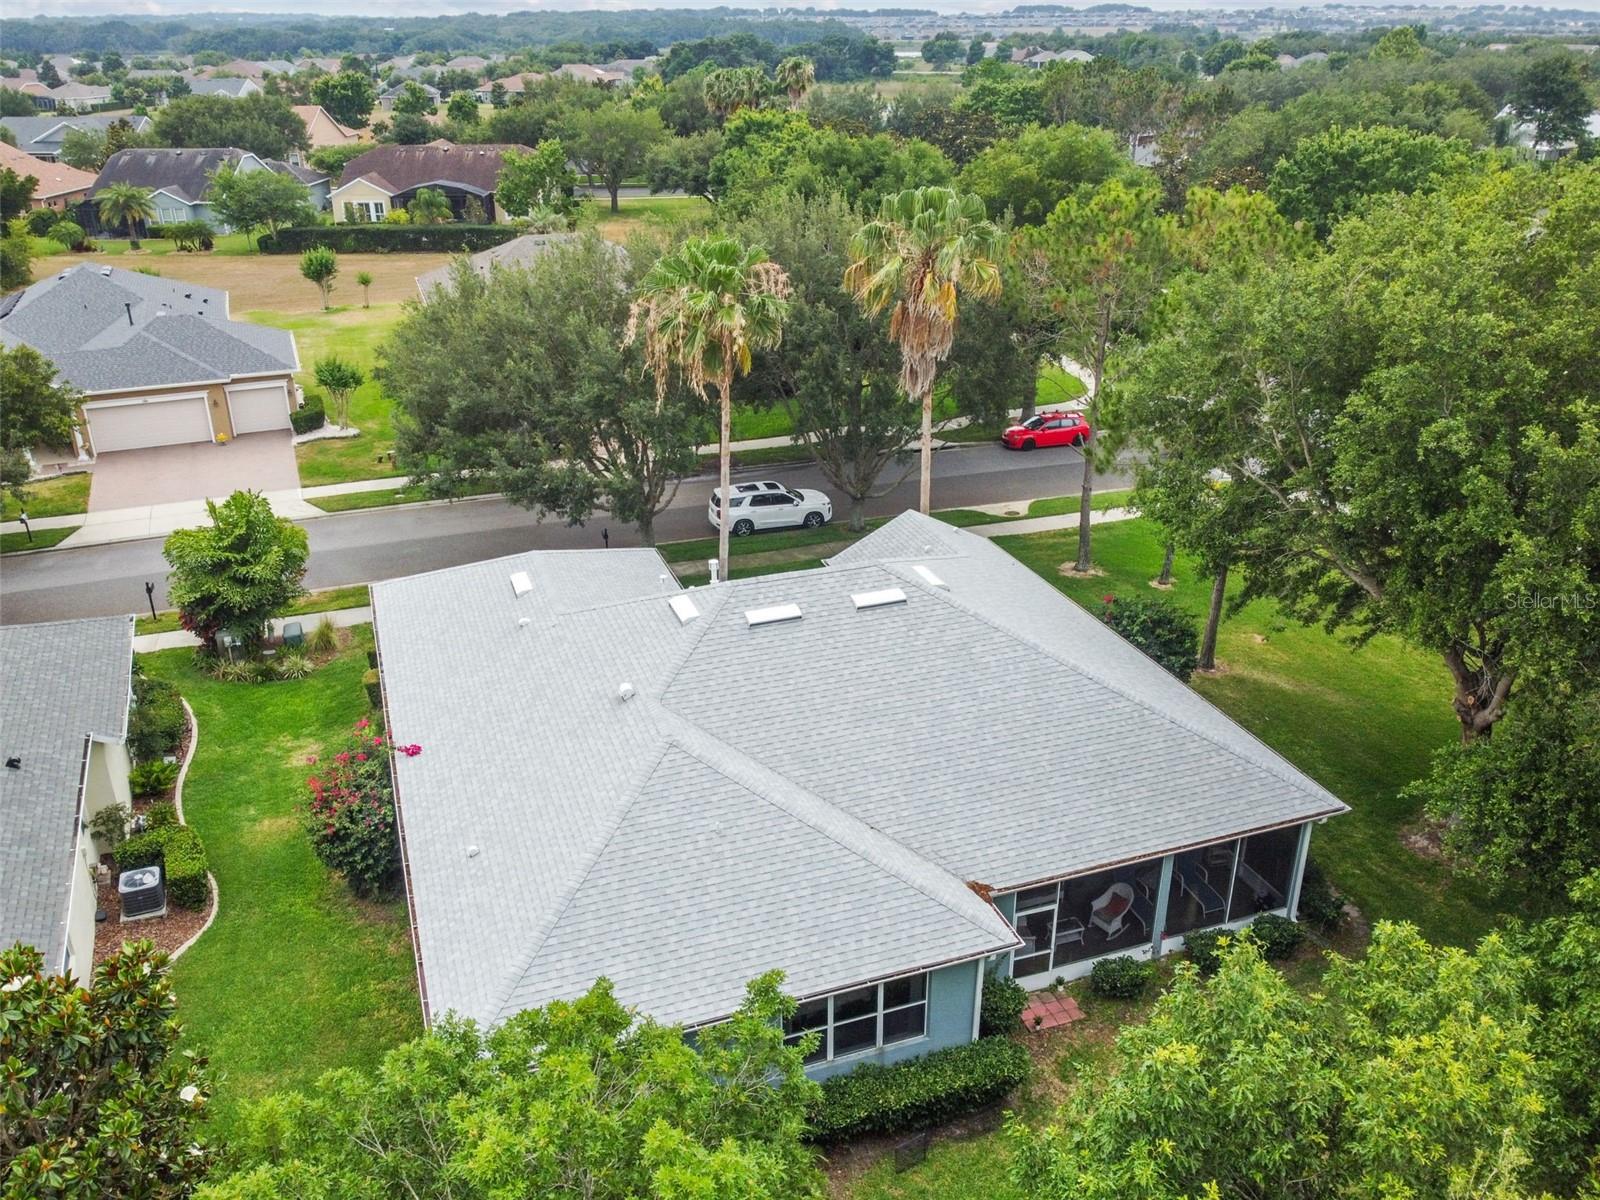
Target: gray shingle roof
x=179, y=333
x=232, y=85
x=43, y=135
x=518, y=252
x=185, y=173
x=63, y=681
x=556, y=831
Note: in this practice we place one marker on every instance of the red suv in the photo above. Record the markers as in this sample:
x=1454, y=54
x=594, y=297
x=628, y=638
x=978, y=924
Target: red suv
x=1047, y=429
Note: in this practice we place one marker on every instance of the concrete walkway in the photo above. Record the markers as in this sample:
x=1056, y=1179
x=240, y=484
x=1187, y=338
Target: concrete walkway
x=1051, y=524
x=342, y=617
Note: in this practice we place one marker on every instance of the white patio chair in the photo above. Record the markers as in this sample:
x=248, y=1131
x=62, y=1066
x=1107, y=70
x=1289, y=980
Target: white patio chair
x=1111, y=908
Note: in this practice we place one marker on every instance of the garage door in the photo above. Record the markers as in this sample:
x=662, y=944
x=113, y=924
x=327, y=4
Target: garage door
x=258, y=407
x=158, y=421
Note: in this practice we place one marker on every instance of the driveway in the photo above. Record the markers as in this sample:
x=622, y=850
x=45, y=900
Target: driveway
x=263, y=462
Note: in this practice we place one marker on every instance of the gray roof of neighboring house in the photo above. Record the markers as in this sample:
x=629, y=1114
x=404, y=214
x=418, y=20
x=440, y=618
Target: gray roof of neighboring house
x=518, y=252
x=835, y=843
x=179, y=333
x=184, y=173
x=235, y=86
x=43, y=135
x=65, y=681
x=398, y=90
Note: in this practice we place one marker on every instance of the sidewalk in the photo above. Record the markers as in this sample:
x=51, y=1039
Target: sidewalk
x=343, y=617
x=1051, y=524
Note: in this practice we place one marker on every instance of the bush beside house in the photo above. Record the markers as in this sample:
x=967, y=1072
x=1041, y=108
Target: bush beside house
x=919, y=1092
x=382, y=239
x=177, y=849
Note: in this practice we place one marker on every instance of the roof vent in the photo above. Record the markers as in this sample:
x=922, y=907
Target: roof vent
x=625, y=691
x=771, y=615
x=106, y=271
x=879, y=599
x=928, y=577
x=14, y=763
x=683, y=608
x=524, y=622
x=520, y=583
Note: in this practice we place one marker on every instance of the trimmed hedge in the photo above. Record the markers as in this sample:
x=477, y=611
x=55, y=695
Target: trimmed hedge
x=1279, y=937
x=156, y=721
x=182, y=857
x=920, y=1091
x=311, y=415
x=161, y=816
x=1003, y=1001
x=1121, y=978
x=370, y=681
x=1203, y=947
x=386, y=239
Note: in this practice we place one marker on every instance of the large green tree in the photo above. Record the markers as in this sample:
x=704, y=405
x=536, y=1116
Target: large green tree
x=612, y=143
x=1409, y=1072
x=1551, y=95
x=923, y=251
x=579, y=1098
x=38, y=410
x=97, y=1099
x=700, y=314
x=536, y=180
x=349, y=97
x=238, y=572
x=522, y=380
x=264, y=125
x=16, y=194
x=1028, y=174
x=1415, y=410
x=835, y=373
x=252, y=201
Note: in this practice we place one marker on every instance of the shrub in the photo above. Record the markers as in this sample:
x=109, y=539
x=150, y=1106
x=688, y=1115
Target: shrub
x=1204, y=946
x=310, y=415
x=374, y=686
x=110, y=826
x=69, y=234
x=1279, y=936
x=349, y=815
x=161, y=816
x=1158, y=627
x=1321, y=906
x=1121, y=978
x=156, y=721
x=386, y=238
x=153, y=778
x=182, y=857
x=920, y=1091
x=1003, y=1001
x=227, y=670
x=324, y=638
x=292, y=664
x=40, y=220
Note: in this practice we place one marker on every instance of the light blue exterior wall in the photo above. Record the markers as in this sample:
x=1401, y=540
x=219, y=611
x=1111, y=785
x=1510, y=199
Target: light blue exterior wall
x=952, y=992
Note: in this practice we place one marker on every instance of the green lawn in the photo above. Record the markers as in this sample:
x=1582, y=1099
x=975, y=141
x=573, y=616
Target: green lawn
x=353, y=333
x=1361, y=722
x=61, y=496
x=43, y=539
x=385, y=498
x=223, y=243
x=1050, y=506
x=661, y=212
x=294, y=977
x=328, y=600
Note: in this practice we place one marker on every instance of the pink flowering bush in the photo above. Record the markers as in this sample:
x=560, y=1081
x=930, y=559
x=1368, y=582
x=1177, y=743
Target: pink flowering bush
x=349, y=814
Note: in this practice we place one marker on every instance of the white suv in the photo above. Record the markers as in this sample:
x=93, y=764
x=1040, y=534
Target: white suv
x=770, y=505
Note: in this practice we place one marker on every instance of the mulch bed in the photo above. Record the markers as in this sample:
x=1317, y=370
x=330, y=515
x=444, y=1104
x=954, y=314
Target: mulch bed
x=168, y=932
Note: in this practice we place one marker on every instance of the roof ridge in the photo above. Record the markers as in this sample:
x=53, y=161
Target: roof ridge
x=813, y=807
x=557, y=910
x=1272, y=768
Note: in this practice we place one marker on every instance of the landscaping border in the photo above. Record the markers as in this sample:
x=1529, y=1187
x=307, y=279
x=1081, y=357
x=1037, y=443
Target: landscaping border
x=177, y=803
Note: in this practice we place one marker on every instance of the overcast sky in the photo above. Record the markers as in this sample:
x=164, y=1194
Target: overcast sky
x=433, y=8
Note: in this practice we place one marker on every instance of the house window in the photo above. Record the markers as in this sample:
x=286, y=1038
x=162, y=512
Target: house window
x=862, y=1018
x=372, y=210
x=171, y=216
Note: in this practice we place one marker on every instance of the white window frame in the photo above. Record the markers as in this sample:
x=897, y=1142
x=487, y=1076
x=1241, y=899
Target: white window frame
x=826, y=1029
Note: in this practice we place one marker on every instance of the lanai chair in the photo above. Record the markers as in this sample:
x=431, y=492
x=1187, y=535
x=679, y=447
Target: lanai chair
x=1111, y=909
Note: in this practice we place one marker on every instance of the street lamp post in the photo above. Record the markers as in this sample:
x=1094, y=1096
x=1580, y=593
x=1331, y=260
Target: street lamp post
x=150, y=597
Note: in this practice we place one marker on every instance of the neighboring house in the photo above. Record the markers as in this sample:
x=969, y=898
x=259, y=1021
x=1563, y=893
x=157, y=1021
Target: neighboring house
x=1523, y=136
x=60, y=186
x=515, y=85
x=386, y=100
x=625, y=67
x=42, y=136
x=63, y=725
x=588, y=73
x=518, y=252
x=318, y=184
x=158, y=361
x=328, y=66
x=389, y=177
x=234, y=87
x=1006, y=785
x=74, y=97
x=466, y=62
x=1045, y=57
x=179, y=180
x=323, y=130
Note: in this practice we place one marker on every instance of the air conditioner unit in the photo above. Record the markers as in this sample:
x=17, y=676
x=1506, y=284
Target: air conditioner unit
x=142, y=893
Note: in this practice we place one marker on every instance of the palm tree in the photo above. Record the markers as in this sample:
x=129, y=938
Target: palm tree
x=125, y=205
x=795, y=75
x=364, y=282
x=429, y=207
x=703, y=308
x=926, y=248
x=728, y=89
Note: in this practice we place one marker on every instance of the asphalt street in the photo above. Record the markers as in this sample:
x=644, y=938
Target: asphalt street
x=368, y=545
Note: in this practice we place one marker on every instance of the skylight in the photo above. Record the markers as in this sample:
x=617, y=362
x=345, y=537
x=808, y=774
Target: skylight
x=520, y=583
x=772, y=614
x=928, y=577
x=878, y=599
x=683, y=608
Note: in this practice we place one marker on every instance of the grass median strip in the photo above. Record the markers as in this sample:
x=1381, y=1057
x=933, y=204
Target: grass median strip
x=43, y=539
x=385, y=498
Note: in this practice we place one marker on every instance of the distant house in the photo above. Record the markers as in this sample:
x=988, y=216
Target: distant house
x=466, y=62
x=75, y=97
x=42, y=136
x=588, y=73
x=322, y=130
x=64, y=721
x=1045, y=57
x=248, y=68
x=1523, y=136
x=625, y=67
x=329, y=66
x=180, y=180
x=234, y=87
x=518, y=252
x=159, y=361
x=389, y=177
x=888, y=854
x=60, y=186
x=318, y=184
x=515, y=85
x=386, y=99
